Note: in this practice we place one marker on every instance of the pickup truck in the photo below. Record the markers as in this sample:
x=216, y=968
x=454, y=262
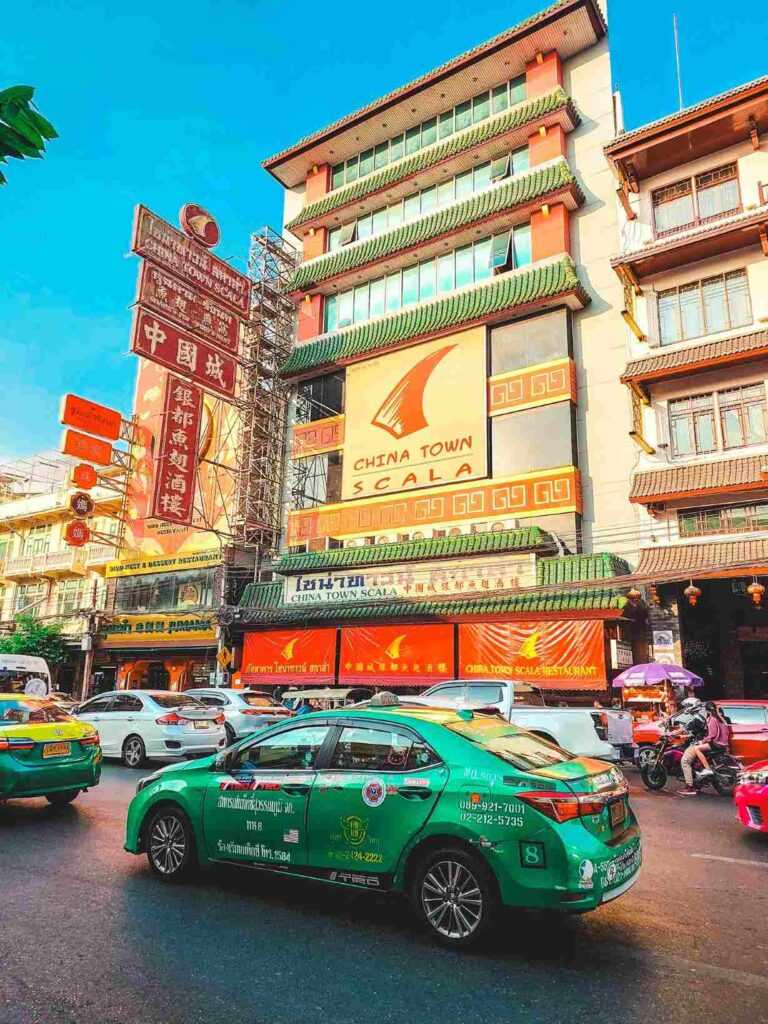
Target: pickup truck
x=586, y=732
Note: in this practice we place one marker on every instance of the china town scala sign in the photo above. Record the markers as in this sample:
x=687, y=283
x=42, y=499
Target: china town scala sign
x=447, y=578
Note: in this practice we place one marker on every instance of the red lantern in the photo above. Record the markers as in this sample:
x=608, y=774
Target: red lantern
x=634, y=595
x=756, y=591
x=693, y=593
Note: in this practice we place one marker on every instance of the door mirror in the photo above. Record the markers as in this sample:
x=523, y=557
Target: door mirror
x=221, y=763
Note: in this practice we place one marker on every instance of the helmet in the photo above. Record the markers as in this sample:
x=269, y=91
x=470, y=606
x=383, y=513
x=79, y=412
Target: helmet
x=691, y=704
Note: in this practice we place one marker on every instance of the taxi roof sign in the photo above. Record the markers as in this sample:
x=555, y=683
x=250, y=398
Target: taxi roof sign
x=91, y=417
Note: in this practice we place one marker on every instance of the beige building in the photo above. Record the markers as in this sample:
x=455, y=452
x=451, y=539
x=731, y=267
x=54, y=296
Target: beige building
x=693, y=191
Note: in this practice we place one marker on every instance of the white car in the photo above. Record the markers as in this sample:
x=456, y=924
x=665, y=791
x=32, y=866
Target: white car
x=137, y=725
x=244, y=711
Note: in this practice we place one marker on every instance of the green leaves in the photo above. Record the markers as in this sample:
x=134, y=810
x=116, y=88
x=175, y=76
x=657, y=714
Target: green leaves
x=23, y=130
x=38, y=638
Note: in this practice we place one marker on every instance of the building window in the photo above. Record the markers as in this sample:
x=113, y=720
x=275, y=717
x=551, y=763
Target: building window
x=479, y=108
x=69, y=596
x=320, y=397
x=735, y=418
x=696, y=200
x=704, y=307
x=469, y=264
x=30, y=598
x=165, y=591
x=315, y=481
x=698, y=522
x=37, y=541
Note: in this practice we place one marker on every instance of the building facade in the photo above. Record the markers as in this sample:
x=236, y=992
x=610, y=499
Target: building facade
x=693, y=263
x=458, y=441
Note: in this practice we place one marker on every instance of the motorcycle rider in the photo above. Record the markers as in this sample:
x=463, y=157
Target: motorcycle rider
x=716, y=737
x=697, y=730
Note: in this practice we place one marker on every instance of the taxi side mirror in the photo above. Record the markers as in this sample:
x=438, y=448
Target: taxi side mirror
x=221, y=763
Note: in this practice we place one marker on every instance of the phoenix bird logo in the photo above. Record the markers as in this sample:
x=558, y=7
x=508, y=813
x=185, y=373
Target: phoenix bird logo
x=528, y=646
x=402, y=411
x=393, y=651
x=287, y=651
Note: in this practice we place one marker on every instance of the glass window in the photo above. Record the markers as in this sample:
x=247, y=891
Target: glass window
x=715, y=307
x=429, y=132
x=742, y=416
x=337, y=176
x=346, y=308
x=38, y=540
x=411, y=207
x=363, y=749
x=481, y=107
x=361, y=303
x=517, y=90
x=426, y=279
x=500, y=98
x=294, y=749
x=744, y=714
x=96, y=706
x=500, y=167
x=211, y=700
x=520, y=160
x=445, y=275
x=351, y=172
x=23, y=711
x=319, y=397
x=704, y=307
x=463, y=115
x=445, y=193
x=429, y=199
x=366, y=162
x=125, y=702
x=690, y=311
x=500, y=251
x=30, y=597
x=692, y=425
x=69, y=596
x=377, y=304
x=737, y=293
x=413, y=140
x=729, y=519
x=395, y=214
x=176, y=700
x=673, y=207
x=464, y=271
x=334, y=239
x=331, y=312
x=347, y=233
x=396, y=148
x=464, y=185
x=445, y=124
x=259, y=700
x=481, y=177
x=365, y=226
x=485, y=692
x=379, y=219
x=165, y=591
x=521, y=243
x=393, y=292
x=381, y=156
x=520, y=749
x=717, y=192
x=410, y=285
x=482, y=259
x=669, y=320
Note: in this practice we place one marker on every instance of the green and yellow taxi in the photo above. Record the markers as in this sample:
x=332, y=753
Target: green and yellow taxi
x=44, y=751
x=461, y=811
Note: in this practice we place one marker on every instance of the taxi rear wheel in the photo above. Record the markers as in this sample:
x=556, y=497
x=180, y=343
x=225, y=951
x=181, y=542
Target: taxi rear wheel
x=63, y=798
x=134, y=753
x=170, y=844
x=454, y=894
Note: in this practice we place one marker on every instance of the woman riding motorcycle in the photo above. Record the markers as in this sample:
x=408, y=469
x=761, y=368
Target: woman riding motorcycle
x=717, y=738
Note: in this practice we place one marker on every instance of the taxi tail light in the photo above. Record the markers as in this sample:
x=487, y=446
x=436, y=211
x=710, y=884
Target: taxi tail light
x=90, y=741
x=565, y=806
x=17, y=743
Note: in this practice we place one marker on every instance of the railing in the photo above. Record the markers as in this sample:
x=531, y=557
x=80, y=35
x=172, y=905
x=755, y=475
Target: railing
x=100, y=554
x=46, y=563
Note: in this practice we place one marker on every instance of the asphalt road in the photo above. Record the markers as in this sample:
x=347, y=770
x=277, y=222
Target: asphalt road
x=89, y=936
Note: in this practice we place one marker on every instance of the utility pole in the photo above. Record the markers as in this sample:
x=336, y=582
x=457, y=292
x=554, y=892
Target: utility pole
x=87, y=644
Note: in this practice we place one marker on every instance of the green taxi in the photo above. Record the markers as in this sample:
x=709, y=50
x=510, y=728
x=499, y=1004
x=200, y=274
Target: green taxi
x=461, y=811
x=44, y=751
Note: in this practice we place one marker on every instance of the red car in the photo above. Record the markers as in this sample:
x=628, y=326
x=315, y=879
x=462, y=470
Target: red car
x=751, y=797
x=749, y=721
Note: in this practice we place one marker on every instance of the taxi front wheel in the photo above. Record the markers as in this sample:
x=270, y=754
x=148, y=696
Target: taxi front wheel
x=170, y=844
x=454, y=894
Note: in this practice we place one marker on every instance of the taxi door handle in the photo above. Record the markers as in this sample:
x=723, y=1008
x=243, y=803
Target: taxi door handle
x=414, y=792
x=296, y=788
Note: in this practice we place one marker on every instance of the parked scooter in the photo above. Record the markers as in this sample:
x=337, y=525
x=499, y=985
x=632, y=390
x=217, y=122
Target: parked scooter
x=666, y=758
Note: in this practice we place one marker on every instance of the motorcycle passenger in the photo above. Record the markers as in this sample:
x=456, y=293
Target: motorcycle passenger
x=718, y=736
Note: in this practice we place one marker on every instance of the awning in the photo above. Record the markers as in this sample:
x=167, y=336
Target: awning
x=700, y=478
x=733, y=558
x=666, y=365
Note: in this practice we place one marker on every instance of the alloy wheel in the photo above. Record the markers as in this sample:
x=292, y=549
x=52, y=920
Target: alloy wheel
x=452, y=899
x=167, y=844
x=133, y=753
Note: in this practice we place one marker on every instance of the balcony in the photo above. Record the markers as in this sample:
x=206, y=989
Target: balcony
x=98, y=556
x=69, y=562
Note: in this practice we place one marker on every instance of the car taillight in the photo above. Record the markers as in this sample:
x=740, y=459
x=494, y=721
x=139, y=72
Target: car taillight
x=170, y=719
x=90, y=741
x=566, y=806
x=16, y=743
x=219, y=719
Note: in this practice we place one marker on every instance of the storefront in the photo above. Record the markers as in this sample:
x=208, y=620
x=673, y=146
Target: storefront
x=163, y=652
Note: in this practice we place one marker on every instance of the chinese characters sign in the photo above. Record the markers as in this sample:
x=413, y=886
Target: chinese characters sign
x=451, y=577
x=298, y=655
x=157, y=241
x=160, y=341
x=190, y=308
x=177, y=452
x=396, y=654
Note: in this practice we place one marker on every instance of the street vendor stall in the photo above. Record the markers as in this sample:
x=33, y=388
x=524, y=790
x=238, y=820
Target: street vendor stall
x=653, y=690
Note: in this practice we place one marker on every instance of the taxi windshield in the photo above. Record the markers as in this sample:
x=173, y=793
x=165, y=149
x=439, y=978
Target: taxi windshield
x=32, y=712
x=521, y=749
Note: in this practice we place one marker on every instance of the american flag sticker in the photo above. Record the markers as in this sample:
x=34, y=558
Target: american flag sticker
x=291, y=836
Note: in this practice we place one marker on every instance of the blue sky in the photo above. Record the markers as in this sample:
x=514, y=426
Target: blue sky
x=173, y=102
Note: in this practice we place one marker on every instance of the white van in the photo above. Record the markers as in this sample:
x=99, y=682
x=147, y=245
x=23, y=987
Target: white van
x=24, y=673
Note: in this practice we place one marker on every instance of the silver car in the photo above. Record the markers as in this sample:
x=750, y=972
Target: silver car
x=244, y=711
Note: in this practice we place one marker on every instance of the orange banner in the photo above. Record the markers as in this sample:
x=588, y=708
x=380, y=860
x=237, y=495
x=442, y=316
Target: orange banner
x=396, y=655
x=289, y=656
x=551, y=654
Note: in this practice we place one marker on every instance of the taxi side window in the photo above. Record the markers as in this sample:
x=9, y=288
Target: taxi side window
x=379, y=750
x=296, y=748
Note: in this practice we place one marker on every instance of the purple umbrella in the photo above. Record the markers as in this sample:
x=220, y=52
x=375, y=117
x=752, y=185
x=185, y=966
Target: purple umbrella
x=654, y=673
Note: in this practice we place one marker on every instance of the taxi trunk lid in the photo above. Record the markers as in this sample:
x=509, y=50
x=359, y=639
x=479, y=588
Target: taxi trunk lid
x=601, y=791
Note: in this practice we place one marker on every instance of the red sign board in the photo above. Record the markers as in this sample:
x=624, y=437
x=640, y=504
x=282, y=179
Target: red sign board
x=396, y=655
x=84, y=476
x=289, y=656
x=81, y=446
x=162, y=342
x=91, y=417
x=554, y=654
x=76, y=534
x=156, y=240
x=176, y=464
x=199, y=224
x=188, y=307
x=81, y=504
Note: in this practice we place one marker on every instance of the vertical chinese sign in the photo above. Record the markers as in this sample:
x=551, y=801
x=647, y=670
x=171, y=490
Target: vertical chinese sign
x=177, y=452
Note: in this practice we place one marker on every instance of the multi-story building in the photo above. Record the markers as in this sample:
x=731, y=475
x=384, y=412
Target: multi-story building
x=458, y=438
x=40, y=575
x=693, y=189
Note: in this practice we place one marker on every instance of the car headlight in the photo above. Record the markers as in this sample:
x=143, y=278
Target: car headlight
x=759, y=778
x=143, y=783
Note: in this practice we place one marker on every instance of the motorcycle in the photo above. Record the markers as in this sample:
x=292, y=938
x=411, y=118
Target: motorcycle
x=666, y=758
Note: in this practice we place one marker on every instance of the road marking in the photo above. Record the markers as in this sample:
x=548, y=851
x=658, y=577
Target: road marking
x=731, y=860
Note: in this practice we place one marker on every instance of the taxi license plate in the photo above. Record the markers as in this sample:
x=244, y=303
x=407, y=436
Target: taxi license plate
x=57, y=749
x=201, y=725
x=618, y=812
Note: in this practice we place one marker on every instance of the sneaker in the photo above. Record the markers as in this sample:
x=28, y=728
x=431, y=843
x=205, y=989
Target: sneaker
x=688, y=791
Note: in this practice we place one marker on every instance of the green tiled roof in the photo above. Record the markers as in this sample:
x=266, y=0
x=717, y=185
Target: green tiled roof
x=262, y=595
x=536, y=184
x=499, y=124
x=413, y=550
x=579, y=568
x=506, y=291
x=597, y=599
